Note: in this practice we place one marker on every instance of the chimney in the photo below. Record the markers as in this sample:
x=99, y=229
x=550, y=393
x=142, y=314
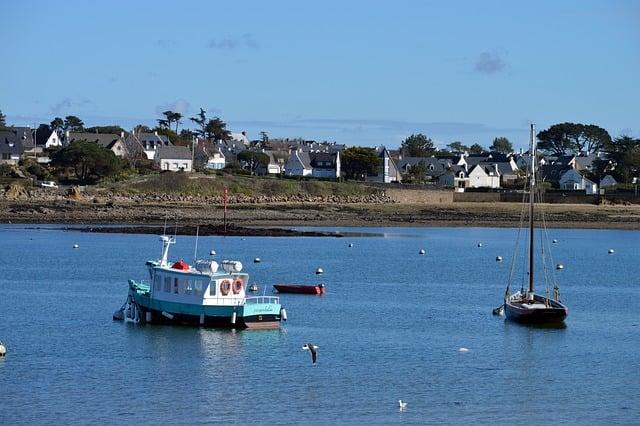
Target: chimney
x=155, y=132
x=122, y=134
x=495, y=166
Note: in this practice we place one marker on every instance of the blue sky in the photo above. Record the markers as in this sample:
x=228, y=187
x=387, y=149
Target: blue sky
x=358, y=72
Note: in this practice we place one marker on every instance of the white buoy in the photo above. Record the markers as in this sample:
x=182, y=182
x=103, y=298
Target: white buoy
x=283, y=314
x=76, y=246
x=233, y=318
x=422, y=251
x=350, y=244
x=3, y=349
x=611, y=251
x=463, y=350
x=555, y=241
x=479, y=244
x=559, y=266
x=319, y=271
x=212, y=253
x=257, y=260
x=498, y=258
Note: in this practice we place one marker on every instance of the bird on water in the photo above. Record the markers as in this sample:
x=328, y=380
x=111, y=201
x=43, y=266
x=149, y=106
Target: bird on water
x=402, y=404
x=313, y=349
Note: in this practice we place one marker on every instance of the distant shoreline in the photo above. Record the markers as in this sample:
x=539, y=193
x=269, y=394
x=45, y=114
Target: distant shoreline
x=287, y=215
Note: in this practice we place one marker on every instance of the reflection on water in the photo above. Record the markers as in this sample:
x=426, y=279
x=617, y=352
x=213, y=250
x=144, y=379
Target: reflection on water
x=389, y=327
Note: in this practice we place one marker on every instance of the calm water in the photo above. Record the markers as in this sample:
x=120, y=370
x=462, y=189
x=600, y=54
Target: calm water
x=389, y=328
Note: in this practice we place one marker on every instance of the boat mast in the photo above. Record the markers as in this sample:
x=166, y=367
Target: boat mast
x=532, y=182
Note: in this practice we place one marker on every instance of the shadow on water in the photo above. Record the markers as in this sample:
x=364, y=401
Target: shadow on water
x=534, y=326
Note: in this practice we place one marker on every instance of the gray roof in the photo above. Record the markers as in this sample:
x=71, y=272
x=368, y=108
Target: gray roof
x=322, y=160
x=10, y=143
x=105, y=140
x=174, y=152
x=504, y=167
x=146, y=136
x=24, y=134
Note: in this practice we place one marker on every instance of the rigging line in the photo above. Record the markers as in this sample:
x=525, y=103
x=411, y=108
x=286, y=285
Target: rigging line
x=195, y=250
x=546, y=239
x=515, y=251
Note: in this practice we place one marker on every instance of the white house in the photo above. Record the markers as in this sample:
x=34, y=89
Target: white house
x=216, y=161
x=173, y=158
x=48, y=139
x=240, y=137
x=111, y=141
x=484, y=176
x=150, y=142
x=298, y=164
x=388, y=171
x=573, y=180
x=325, y=165
x=456, y=177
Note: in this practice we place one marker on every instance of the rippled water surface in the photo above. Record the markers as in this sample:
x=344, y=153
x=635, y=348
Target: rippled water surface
x=390, y=327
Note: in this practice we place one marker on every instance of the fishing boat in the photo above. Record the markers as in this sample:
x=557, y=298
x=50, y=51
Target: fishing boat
x=198, y=295
x=525, y=305
x=299, y=288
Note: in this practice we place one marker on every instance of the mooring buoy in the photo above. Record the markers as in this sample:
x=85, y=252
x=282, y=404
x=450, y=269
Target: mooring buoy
x=76, y=246
x=422, y=251
x=498, y=258
x=611, y=251
x=555, y=241
x=319, y=271
x=350, y=244
x=479, y=244
x=3, y=349
x=212, y=253
x=257, y=260
x=559, y=266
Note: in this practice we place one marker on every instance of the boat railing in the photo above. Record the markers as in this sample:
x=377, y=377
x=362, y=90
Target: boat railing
x=264, y=299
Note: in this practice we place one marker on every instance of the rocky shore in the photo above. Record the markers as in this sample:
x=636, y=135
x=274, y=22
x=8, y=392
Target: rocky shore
x=59, y=207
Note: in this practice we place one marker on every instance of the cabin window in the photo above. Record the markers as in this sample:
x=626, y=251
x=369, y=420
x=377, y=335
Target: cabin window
x=176, y=286
x=189, y=289
x=167, y=284
x=157, y=283
x=197, y=288
x=212, y=288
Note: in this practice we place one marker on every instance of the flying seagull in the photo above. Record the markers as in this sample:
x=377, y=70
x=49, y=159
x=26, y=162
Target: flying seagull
x=313, y=349
x=402, y=404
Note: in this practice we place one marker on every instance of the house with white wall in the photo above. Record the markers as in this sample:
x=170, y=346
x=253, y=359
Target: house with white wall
x=484, y=176
x=173, y=158
x=298, y=164
x=573, y=180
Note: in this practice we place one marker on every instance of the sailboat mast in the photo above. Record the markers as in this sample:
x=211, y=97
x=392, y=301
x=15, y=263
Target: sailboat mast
x=532, y=183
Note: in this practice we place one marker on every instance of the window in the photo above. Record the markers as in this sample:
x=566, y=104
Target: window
x=189, y=289
x=176, y=286
x=197, y=288
x=212, y=288
x=167, y=284
x=157, y=283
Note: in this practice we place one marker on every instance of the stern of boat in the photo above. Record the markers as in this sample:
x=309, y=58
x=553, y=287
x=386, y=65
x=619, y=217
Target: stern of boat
x=262, y=312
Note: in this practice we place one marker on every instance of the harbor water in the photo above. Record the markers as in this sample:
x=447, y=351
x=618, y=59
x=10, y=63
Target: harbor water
x=390, y=327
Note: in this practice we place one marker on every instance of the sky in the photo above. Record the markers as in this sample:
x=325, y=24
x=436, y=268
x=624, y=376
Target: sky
x=361, y=73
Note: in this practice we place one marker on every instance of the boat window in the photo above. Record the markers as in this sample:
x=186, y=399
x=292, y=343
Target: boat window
x=212, y=288
x=176, y=286
x=189, y=289
x=167, y=284
x=197, y=288
x=157, y=283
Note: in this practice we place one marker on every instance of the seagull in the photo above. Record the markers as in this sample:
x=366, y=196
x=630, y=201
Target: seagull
x=313, y=349
x=402, y=405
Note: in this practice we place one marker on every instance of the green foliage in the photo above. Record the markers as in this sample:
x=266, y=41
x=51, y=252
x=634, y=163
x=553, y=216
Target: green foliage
x=572, y=138
x=200, y=120
x=417, y=173
x=73, y=124
x=417, y=146
x=57, y=124
x=170, y=117
x=216, y=129
x=88, y=161
x=477, y=149
x=7, y=170
x=105, y=129
x=254, y=160
x=501, y=145
x=3, y=120
x=624, y=152
x=358, y=162
x=457, y=147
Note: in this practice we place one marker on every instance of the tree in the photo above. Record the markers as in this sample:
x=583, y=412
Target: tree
x=104, y=129
x=417, y=146
x=264, y=137
x=571, y=138
x=477, y=149
x=253, y=159
x=88, y=160
x=170, y=117
x=216, y=129
x=73, y=124
x=57, y=124
x=418, y=172
x=201, y=120
x=501, y=145
x=359, y=162
x=3, y=120
x=457, y=147
x=624, y=152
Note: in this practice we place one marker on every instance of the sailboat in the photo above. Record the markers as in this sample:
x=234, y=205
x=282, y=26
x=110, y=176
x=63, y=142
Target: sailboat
x=525, y=305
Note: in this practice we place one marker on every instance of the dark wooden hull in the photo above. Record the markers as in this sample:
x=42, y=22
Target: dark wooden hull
x=520, y=312
x=299, y=289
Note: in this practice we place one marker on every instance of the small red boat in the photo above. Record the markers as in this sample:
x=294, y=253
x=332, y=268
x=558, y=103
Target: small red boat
x=299, y=288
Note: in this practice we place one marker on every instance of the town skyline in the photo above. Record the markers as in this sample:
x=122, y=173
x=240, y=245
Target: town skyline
x=357, y=74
